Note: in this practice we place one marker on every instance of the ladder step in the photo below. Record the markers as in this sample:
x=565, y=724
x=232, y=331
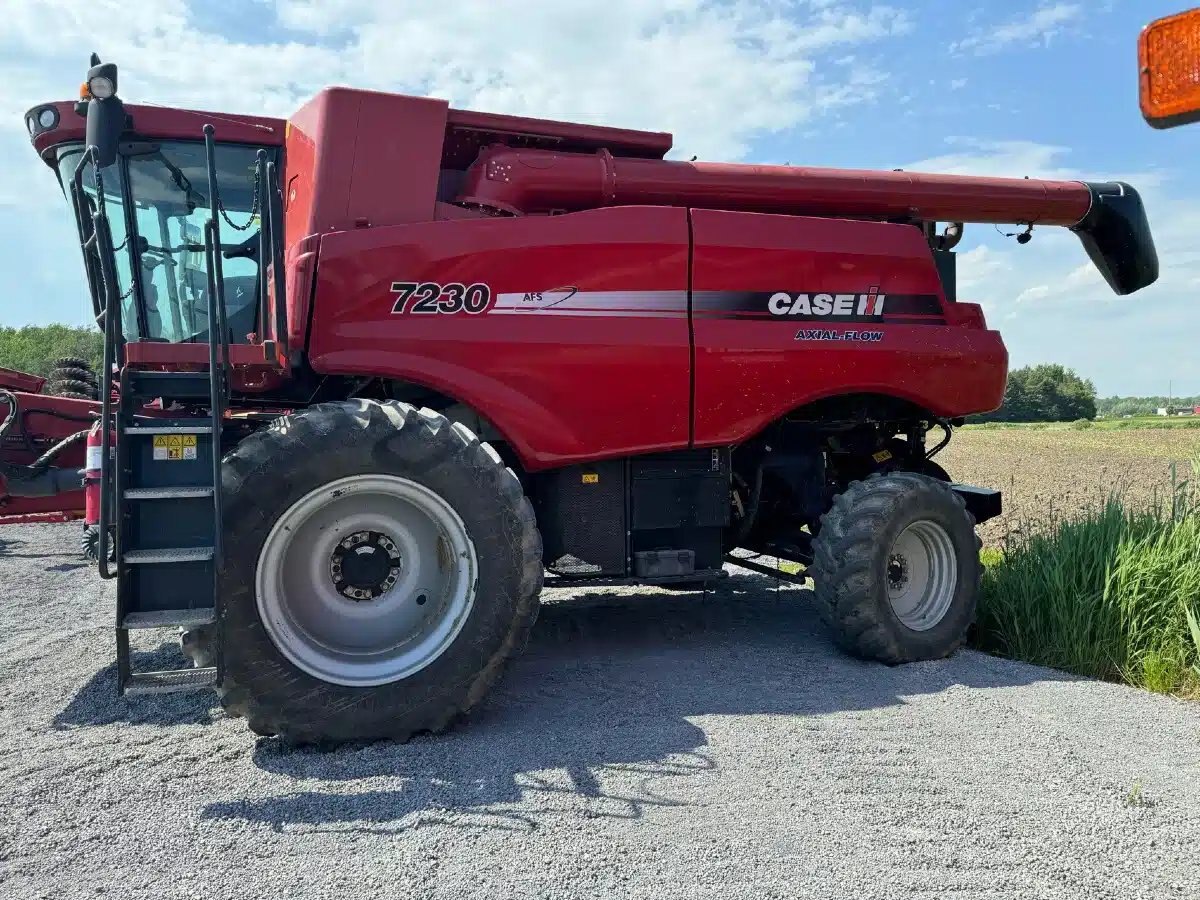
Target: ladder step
x=196, y=385
x=167, y=429
x=167, y=555
x=169, y=618
x=167, y=493
x=171, y=681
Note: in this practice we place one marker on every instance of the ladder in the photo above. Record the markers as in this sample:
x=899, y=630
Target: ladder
x=161, y=481
x=167, y=479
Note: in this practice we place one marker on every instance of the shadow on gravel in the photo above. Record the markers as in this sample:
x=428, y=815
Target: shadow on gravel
x=610, y=683
x=78, y=565
x=97, y=702
x=69, y=567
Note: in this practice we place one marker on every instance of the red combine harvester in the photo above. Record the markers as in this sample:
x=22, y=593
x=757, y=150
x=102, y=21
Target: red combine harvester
x=371, y=372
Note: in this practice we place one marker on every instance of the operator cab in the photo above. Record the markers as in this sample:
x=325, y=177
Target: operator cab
x=157, y=199
x=147, y=174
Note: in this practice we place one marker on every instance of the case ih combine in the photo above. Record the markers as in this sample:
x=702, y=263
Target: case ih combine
x=370, y=372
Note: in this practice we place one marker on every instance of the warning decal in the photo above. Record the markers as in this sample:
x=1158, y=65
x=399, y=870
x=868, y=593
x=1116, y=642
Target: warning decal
x=174, y=446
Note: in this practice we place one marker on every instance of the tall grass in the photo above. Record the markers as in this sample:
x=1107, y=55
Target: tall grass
x=1111, y=592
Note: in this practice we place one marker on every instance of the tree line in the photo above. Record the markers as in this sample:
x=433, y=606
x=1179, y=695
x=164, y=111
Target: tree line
x=1116, y=407
x=1044, y=393
x=34, y=348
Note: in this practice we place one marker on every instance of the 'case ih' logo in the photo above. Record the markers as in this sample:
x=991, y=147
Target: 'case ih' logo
x=833, y=305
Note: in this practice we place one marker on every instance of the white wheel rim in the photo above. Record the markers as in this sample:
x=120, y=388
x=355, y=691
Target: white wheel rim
x=366, y=580
x=922, y=575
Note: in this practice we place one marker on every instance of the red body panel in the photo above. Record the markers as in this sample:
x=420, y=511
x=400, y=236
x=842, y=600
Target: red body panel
x=21, y=381
x=750, y=369
x=601, y=367
x=43, y=421
x=562, y=383
x=163, y=123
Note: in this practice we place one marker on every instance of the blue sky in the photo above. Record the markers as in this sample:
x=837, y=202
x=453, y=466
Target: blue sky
x=1016, y=88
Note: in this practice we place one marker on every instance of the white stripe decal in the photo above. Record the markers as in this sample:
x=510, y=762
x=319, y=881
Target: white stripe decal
x=569, y=299
x=607, y=313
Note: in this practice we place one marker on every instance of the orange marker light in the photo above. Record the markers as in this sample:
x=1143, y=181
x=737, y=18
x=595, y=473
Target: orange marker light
x=1169, y=66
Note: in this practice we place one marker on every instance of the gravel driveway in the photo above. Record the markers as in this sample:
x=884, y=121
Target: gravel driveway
x=648, y=744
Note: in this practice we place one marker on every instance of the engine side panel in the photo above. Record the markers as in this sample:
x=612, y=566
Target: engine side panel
x=580, y=352
x=788, y=310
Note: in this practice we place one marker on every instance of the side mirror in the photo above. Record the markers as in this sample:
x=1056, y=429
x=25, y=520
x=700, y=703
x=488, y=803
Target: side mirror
x=105, y=112
x=1169, y=70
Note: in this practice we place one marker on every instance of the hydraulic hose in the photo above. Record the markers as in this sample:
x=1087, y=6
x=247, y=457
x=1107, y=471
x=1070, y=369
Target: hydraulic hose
x=36, y=479
x=751, y=514
x=948, y=430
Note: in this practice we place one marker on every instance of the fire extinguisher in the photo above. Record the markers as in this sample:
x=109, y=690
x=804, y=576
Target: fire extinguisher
x=91, y=491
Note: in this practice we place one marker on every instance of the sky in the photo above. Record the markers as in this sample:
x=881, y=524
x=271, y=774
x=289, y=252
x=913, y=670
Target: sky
x=1018, y=88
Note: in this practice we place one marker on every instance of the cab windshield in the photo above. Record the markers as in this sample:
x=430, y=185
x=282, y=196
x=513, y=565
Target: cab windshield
x=156, y=196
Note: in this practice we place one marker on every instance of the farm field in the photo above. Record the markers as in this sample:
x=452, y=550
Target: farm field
x=1049, y=471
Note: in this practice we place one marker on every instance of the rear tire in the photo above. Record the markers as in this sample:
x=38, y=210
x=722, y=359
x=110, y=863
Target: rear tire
x=897, y=569
x=73, y=377
x=90, y=544
x=289, y=469
x=71, y=391
x=197, y=646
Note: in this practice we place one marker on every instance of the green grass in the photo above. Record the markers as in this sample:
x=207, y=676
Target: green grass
x=1137, y=423
x=1111, y=593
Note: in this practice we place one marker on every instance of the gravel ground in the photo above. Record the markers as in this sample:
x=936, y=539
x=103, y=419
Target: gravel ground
x=648, y=744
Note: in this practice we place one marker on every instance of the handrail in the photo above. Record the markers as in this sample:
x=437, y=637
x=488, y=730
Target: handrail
x=215, y=382
x=264, y=235
x=273, y=205
x=214, y=223
x=218, y=337
x=111, y=313
x=82, y=222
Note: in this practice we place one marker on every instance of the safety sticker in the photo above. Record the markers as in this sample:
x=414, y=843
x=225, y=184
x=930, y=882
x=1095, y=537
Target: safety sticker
x=174, y=446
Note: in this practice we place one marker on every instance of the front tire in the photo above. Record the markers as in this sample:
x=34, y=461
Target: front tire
x=897, y=569
x=381, y=566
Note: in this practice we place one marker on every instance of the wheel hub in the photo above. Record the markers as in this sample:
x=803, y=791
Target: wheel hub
x=365, y=565
x=366, y=580
x=897, y=572
x=922, y=575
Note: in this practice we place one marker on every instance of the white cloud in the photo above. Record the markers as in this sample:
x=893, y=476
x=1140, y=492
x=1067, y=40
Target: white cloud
x=972, y=156
x=717, y=74
x=981, y=266
x=1040, y=26
x=1037, y=292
